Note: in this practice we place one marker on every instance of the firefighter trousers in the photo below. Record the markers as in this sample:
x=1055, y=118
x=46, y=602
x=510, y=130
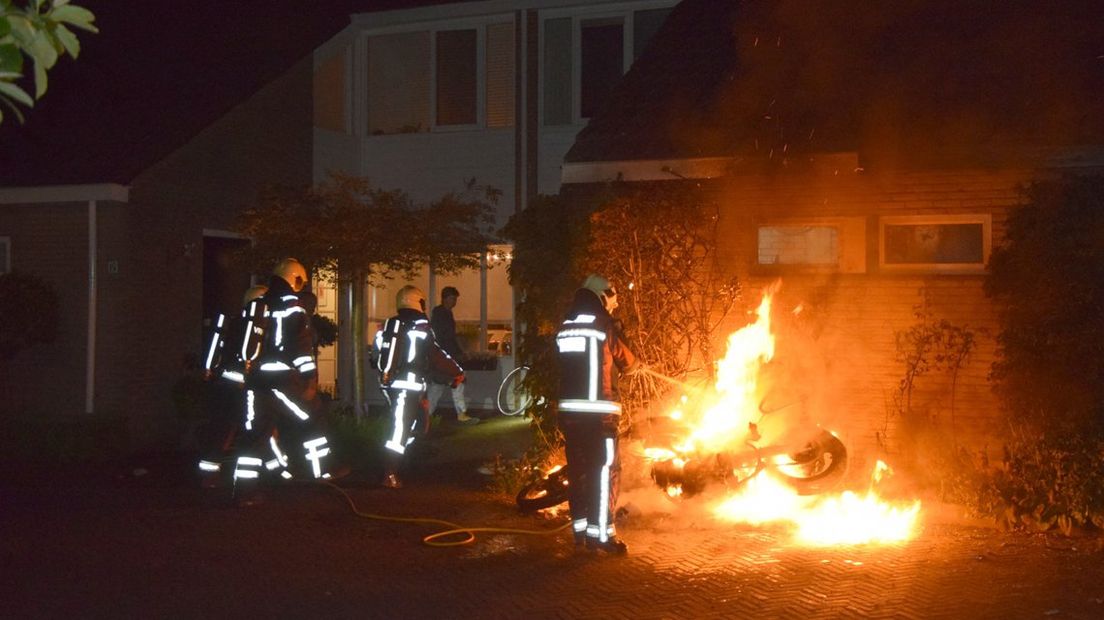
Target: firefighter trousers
x=301, y=448
x=408, y=419
x=593, y=471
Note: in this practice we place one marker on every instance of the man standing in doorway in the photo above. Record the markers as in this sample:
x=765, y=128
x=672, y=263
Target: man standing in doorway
x=444, y=329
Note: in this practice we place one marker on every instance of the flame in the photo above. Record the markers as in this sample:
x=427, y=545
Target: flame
x=844, y=519
x=725, y=420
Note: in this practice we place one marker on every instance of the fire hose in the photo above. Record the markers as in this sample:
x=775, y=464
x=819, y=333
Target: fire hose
x=454, y=529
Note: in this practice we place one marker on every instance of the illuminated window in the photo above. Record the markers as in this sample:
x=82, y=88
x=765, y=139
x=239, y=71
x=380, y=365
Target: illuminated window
x=5, y=254
x=329, y=93
x=799, y=245
x=943, y=243
x=500, y=75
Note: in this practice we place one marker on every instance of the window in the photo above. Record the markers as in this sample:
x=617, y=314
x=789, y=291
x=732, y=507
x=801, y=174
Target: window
x=398, y=83
x=557, y=71
x=602, y=61
x=945, y=243
x=500, y=75
x=457, y=82
x=799, y=245
x=5, y=255
x=329, y=93
x=645, y=25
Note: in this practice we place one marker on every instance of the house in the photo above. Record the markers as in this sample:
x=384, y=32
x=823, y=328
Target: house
x=427, y=98
x=867, y=157
x=123, y=187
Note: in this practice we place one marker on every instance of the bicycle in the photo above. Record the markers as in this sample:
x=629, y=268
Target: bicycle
x=513, y=398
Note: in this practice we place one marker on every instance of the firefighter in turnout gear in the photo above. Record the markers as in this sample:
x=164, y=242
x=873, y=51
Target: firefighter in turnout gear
x=591, y=356
x=281, y=384
x=224, y=365
x=407, y=353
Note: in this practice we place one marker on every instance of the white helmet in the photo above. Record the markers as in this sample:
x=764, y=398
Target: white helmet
x=603, y=289
x=411, y=297
x=293, y=272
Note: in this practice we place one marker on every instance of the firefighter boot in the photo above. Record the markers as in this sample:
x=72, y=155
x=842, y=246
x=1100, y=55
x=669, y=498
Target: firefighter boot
x=613, y=545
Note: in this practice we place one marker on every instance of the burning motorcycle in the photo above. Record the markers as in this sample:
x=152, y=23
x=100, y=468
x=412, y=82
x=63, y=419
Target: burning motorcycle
x=812, y=461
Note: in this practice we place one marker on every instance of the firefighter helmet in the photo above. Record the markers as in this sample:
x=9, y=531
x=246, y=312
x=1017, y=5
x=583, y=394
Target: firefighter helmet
x=293, y=272
x=411, y=297
x=254, y=292
x=603, y=289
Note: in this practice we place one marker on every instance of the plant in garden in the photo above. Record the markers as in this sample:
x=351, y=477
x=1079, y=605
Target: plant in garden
x=40, y=31
x=658, y=243
x=348, y=229
x=1048, y=280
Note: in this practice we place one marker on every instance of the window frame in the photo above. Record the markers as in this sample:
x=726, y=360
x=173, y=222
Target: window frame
x=480, y=29
x=623, y=11
x=804, y=267
x=325, y=54
x=985, y=219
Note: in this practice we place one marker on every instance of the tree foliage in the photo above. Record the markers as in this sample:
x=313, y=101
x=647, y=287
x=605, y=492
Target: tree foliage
x=28, y=313
x=1049, y=280
x=370, y=233
x=40, y=31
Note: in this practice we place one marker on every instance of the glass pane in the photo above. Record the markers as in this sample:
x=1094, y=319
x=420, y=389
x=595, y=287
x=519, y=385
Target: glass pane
x=500, y=75
x=557, y=71
x=798, y=245
x=456, y=81
x=645, y=25
x=909, y=244
x=602, y=64
x=5, y=254
x=398, y=83
x=329, y=93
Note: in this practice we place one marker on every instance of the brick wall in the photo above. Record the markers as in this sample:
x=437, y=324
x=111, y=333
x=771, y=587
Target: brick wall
x=839, y=349
x=150, y=310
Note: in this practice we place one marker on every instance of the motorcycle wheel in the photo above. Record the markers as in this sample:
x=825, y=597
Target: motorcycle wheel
x=818, y=467
x=547, y=492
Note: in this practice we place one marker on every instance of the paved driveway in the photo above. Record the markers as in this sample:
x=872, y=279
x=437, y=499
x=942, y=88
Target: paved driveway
x=124, y=548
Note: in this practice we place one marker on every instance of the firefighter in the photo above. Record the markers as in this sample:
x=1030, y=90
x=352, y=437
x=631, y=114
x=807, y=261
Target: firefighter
x=224, y=367
x=281, y=384
x=591, y=356
x=407, y=353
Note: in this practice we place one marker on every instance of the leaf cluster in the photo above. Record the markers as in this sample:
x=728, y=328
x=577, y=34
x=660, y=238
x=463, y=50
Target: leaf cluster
x=1048, y=280
x=370, y=233
x=41, y=31
x=1044, y=484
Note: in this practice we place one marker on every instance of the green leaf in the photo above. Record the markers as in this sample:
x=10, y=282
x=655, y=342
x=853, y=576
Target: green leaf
x=11, y=59
x=68, y=40
x=40, y=80
x=43, y=51
x=21, y=30
x=5, y=27
x=11, y=90
x=77, y=16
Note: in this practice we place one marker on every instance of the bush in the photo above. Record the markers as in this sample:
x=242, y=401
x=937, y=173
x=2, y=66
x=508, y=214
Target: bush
x=28, y=313
x=1049, y=281
x=1046, y=484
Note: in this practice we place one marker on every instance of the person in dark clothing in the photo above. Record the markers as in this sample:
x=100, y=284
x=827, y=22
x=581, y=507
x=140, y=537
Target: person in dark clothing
x=444, y=330
x=407, y=354
x=224, y=370
x=282, y=386
x=591, y=355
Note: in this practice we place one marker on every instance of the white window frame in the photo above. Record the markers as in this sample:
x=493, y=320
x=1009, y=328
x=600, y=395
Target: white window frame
x=578, y=15
x=985, y=219
x=5, y=253
x=850, y=246
x=480, y=28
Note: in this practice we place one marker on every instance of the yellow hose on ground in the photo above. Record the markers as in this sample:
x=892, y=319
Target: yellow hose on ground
x=454, y=529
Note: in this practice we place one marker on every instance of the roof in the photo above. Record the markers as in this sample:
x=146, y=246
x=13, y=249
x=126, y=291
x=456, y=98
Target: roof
x=904, y=79
x=155, y=76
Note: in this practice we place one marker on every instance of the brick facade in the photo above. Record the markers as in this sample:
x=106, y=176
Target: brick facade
x=839, y=349
x=150, y=309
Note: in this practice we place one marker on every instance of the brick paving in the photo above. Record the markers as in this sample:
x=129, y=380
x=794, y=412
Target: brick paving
x=120, y=548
